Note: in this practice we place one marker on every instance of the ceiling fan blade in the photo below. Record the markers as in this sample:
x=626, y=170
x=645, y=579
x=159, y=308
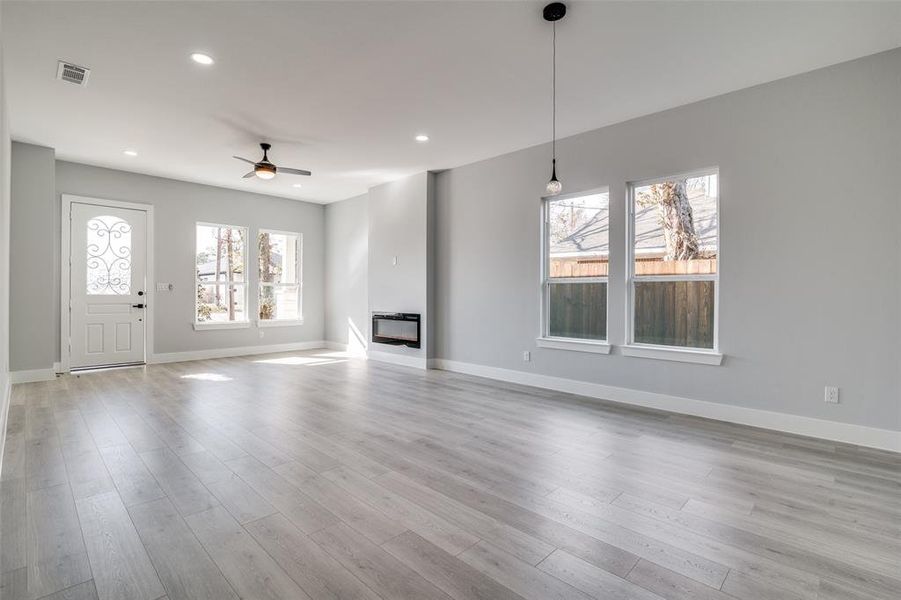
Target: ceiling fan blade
x=244, y=159
x=293, y=171
x=251, y=174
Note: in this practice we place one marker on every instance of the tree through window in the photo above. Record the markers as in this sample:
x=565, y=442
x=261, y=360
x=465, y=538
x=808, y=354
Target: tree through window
x=673, y=266
x=221, y=256
x=280, y=276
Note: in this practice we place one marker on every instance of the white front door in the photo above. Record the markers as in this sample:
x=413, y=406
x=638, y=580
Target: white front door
x=107, y=290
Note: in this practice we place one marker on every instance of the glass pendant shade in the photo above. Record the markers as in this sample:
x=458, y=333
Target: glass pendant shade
x=554, y=186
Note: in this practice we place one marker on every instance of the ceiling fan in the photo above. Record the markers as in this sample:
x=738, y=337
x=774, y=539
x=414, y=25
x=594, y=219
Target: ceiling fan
x=265, y=169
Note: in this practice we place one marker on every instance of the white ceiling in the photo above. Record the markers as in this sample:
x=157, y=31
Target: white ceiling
x=341, y=88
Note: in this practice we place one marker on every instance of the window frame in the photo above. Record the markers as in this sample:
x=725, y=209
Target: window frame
x=662, y=351
x=244, y=323
x=544, y=339
x=299, y=284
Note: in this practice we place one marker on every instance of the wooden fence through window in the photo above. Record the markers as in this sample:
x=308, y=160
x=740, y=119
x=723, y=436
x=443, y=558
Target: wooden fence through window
x=671, y=313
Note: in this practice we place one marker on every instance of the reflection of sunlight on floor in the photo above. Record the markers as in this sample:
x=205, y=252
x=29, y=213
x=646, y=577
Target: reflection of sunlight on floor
x=326, y=358
x=356, y=341
x=206, y=377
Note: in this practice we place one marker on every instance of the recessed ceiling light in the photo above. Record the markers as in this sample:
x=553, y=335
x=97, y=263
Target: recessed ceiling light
x=130, y=153
x=202, y=59
x=297, y=185
x=422, y=138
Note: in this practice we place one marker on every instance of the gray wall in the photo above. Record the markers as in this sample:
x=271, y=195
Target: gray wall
x=398, y=227
x=34, y=303
x=810, y=276
x=346, y=257
x=178, y=206
x=5, y=152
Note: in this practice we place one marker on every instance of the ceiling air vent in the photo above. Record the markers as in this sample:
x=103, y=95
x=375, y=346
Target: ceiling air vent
x=73, y=73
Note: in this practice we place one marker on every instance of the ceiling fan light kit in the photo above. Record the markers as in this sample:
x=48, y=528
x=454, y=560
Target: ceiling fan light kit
x=265, y=169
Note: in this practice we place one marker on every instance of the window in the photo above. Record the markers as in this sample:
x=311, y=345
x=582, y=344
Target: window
x=220, y=274
x=577, y=250
x=673, y=270
x=108, y=256
x=280, y=276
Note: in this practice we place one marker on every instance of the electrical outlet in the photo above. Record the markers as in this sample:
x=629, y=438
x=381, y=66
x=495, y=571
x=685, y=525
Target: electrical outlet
x=526, y=356
x=262, y=333
x=831, y=396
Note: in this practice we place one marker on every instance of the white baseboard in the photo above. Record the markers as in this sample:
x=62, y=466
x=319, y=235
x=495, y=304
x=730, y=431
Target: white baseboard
x=398, y=359
x=336, y=346
x=32, y=375
x=5, y=396
x=872, y=437
x=169, y=357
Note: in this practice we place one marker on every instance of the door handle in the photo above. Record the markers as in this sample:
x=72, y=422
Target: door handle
x=137, y=306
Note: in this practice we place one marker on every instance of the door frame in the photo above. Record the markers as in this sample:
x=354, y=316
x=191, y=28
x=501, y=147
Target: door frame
x=66, y=266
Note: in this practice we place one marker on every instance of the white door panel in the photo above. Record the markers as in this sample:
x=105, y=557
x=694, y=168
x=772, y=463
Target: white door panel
x=107, y=285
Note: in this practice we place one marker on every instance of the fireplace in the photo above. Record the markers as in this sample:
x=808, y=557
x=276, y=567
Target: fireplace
x=398, y=329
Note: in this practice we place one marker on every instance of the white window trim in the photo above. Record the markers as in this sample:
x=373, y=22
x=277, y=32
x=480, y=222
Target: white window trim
x=711, y=356
x=573, y=344
x=210, y=325
x=673, y=353
x=544, y=339
x=299, y=284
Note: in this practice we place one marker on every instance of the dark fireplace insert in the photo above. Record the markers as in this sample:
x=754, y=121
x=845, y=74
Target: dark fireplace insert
x=398, y=329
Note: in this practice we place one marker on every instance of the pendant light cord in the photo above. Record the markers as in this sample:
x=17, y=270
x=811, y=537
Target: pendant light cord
x=554, y=98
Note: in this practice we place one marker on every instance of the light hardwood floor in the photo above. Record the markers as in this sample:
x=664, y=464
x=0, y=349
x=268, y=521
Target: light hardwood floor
x=308, y=475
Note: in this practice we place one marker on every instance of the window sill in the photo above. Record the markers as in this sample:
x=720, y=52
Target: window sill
x=229, y=325
x=700, y=357
x=573, y=345
x=279, y=323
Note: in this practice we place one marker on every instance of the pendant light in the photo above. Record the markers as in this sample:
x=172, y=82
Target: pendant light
x=553, y=12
